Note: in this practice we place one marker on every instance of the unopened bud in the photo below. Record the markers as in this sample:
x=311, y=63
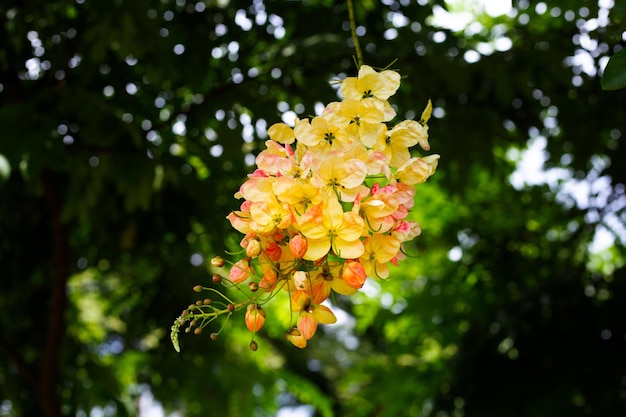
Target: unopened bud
x=198, y=303
x=298, y=245
x=207, y=301
x=254, y=346
x=197, y=330
x=253, y=286
x=197, y=288
x=216, y=279
x=353, y=273
x=213, y=336
x=240, y=271
x=255, y=317
x=231, y=308
x=254, y=248
x=218, y=261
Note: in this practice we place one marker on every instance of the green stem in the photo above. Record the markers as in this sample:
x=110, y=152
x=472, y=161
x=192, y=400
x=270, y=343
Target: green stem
x=355, y=38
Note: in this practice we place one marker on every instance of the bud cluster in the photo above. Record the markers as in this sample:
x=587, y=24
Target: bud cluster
x=326, y=207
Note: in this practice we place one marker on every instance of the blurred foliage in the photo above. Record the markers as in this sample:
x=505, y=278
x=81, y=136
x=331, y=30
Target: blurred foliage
x=126, y=127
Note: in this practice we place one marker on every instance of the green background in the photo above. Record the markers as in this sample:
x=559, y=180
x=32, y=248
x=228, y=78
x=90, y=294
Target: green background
x=126, y=128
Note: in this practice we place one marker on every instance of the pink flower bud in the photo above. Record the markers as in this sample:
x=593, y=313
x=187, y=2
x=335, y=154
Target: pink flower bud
x=240, y=271
x=298, y=245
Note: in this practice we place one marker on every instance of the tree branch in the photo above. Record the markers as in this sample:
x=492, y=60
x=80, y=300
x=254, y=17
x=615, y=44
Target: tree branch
x=48, y=383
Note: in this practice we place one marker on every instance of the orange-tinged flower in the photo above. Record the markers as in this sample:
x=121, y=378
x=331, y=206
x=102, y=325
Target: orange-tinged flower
x=379, y=249
x=377, y=211
x=270, y=214
x=240, y=220
x=311, y=314
x=417, y=170
x=273, y=251
x=327, y=279
x=353, y=273
x=255, y=317
x=257, y=189
x=240, y=271
x=327, y=227
x=273, y=158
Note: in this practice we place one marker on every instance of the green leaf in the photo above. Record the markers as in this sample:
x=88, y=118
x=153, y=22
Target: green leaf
x=614, y=76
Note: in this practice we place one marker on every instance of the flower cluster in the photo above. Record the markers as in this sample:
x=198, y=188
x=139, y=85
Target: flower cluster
x=326, y=207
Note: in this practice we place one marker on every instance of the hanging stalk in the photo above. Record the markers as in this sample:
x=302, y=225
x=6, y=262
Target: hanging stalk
x=355, y=38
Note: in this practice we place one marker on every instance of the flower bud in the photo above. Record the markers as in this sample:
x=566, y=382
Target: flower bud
x=255, y=317
x=300, y=280
x=254, y=346
x=216, y=278
x=353, y=273
x=253, y=248
x=240, y=271
x=197, y=288
x=218, y=261
x=298, y=245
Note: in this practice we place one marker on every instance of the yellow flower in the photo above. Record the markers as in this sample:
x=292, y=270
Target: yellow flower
x=281, y=133
x=327, y=227
x=341, y=177
x=320, y=135
x=396, y=143
x=298, y=193
x=417, y=170
x=361, y=119
x=265, y=216
x=379, y=249
x=377, y=212
x=371, y=84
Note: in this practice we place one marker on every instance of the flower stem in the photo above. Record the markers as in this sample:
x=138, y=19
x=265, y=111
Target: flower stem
x=355, y=38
